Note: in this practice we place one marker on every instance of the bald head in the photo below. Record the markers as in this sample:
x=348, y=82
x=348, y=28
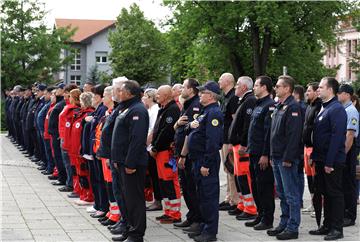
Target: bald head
x=226, y=82
x=164, y=95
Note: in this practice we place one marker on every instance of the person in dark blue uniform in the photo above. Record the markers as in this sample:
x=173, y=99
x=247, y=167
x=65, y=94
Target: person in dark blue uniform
x=285, y=151
x=262, y=177
x=129, y=155
x=204, y=142
x=329, y=156
x=191, y=110
x=349, y=175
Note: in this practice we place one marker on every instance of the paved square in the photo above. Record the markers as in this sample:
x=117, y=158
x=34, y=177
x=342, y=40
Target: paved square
x=34, y=210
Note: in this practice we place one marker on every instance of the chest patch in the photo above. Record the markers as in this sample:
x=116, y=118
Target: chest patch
x=136, y=118
x=248, y=111
x=67, y=125
x=77, y=125
x=215, y=122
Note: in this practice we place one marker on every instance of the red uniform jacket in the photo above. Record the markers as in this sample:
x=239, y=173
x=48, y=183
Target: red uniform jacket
x=46, y=123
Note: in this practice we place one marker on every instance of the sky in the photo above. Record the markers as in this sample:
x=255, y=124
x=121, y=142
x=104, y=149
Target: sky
x=102, y=9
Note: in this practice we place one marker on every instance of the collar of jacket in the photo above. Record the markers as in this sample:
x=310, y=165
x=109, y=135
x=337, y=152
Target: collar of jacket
x=211, y=105
x=168, y=105
x=246, y=95
x=59, y=98
x=188, y=102
x=330, y=101
x=260, y=100
x=286, y=102
x=129, y=102
x=316, y=101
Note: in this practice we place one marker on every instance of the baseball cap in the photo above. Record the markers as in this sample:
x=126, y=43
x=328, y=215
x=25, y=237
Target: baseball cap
x=41, y=87
x=346, y=88
x=211, y=86
x=60, y=85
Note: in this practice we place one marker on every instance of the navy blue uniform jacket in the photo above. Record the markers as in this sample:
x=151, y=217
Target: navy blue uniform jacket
x=205, y=141
x=128, y=146
x=286, y=130
x=330, y=134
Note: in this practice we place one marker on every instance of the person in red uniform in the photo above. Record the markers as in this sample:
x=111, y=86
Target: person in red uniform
x=67, y=111
x=163, y=139
x=67, y=118
x=86, y=194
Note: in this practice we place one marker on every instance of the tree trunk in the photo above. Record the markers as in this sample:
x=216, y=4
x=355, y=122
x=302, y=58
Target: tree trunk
x=255, y=40
x=265, y=51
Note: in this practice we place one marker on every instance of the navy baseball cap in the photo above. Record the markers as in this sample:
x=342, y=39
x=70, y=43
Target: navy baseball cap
x=41, y=87
x=60, y=85
x=346, y=88
x=211, y=86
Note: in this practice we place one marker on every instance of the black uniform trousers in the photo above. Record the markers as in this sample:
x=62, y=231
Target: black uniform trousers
x=58, y=159
x=350, y=183
x=132, y=190
x=262, y=183
x=331, y=187
x=188, y=186
x=98, y=185
x=154, y=178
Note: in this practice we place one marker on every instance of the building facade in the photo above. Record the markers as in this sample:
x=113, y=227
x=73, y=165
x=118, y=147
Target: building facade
x=341, y=55
x=90, y=47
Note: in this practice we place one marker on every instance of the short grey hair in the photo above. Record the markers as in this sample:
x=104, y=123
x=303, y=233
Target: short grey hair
x=228, y=76
x=119, y=80
x=108, y=89
x=86, y=99
x=247, y=81
x=216, y=96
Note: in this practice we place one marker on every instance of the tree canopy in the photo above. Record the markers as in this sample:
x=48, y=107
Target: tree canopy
x=252, y=38
x=29, y=50
x=138, y=48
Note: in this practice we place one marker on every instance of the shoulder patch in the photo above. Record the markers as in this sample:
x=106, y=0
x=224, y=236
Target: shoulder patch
x=195, y=116
x=354, y=121
x=169, y=120
x=248, y=111
x=215, y=122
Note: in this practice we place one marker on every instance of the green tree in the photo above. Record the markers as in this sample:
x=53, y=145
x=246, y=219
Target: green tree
x=139, y=49
x=29, y=50
x=94, y=75
x=251, y=38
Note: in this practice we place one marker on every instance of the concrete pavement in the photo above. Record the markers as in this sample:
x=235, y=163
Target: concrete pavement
x=34, y=210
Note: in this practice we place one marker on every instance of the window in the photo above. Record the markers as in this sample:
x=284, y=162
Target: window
x=77, y=61
x=75, y=79
x=101, y=57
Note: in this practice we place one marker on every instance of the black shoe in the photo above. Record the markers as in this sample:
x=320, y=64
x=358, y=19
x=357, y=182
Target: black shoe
x=58, y=183
x=162, y=217
x=46, y=173
x=227, y=208
x=28, y=155
x=65, y=189
x=99, y=215
x=22, y=150
x=122, y=237
x=194, y=228
x=348, y=222
x=102, y=219
x=118, y=230
x=253, y=223
x=245, y=216
x=35, y=160
x=193, y=235
x=108, y=222
x=205, y=238
x=235, y=212
x=334, y=235
x=286, y=235
x=130, y=239
x=73, y=195
x=262, y=226
x=41, y=168
x=52, y=177
x=110, y=227
x=184, y=224
x=320, y=231
x=275, y=231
